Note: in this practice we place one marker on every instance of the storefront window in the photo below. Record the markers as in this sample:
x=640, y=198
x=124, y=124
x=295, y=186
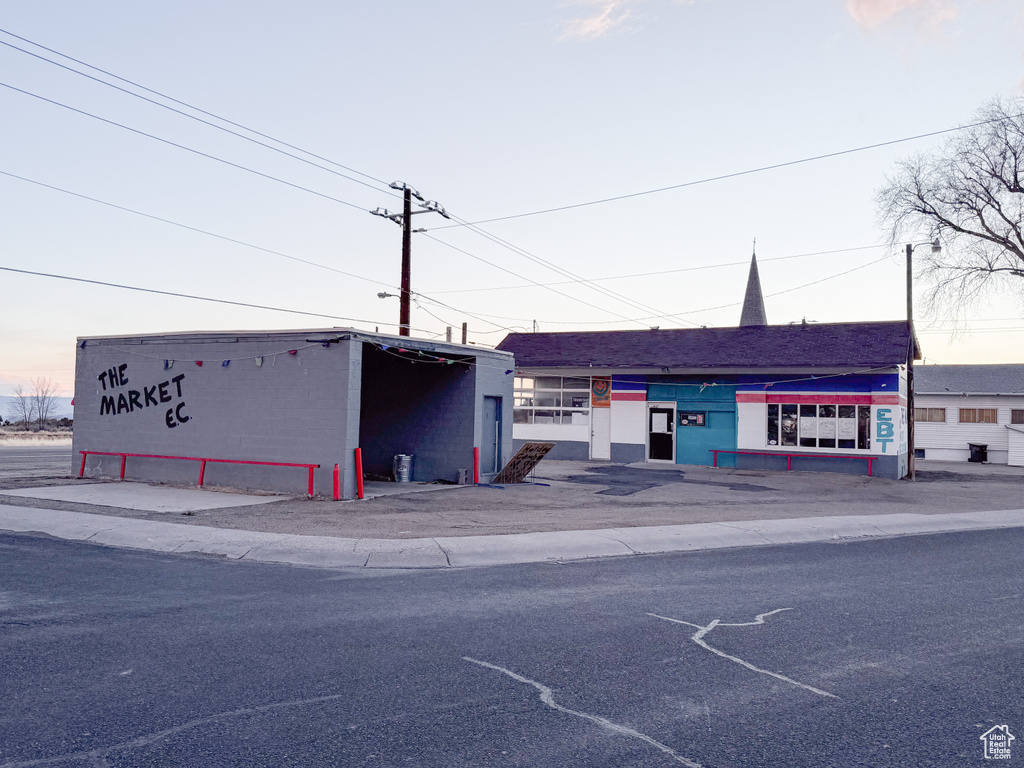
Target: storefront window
x=819, y=426
x=551, y=400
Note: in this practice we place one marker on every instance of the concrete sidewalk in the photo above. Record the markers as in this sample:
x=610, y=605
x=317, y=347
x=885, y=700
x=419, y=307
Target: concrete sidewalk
x=576, y=510
x=468, y=551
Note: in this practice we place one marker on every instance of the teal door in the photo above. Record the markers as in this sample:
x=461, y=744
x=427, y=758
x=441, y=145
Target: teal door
x=703, y=426
x=705, y=419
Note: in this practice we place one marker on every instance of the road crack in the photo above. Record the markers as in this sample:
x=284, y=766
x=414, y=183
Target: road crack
x=702, y=632
x=548, y=697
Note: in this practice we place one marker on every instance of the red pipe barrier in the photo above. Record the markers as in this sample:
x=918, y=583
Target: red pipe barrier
x=202, y=463
x=337, y=483
x=359, y=473
x=791, y=456
x=476, y=465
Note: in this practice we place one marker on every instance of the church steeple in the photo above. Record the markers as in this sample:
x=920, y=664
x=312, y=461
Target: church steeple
x=753, y=302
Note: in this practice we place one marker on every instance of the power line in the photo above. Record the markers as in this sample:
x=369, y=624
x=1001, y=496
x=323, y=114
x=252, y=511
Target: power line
x=666, y=271
x=736, y=174
x=560, y=270
x=193, y=229
x=522, y=277
x=704, y=309
x=196, y=298
x=247, y=245
x=246, y=138
x=182, y=146
x=189, y=106
x=267, y=176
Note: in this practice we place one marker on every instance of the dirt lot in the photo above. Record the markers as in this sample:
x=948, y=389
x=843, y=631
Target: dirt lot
x=572, y=496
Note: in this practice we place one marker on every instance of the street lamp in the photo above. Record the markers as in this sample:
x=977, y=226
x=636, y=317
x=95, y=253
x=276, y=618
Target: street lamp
x=936, y=247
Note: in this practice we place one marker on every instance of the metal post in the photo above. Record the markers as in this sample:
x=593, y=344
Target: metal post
x=464, y=329
x=403, y=312
x=448, y=334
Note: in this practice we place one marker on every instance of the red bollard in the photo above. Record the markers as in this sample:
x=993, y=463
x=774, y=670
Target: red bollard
x=476, y=465
x=359, y=473
x=337, y=483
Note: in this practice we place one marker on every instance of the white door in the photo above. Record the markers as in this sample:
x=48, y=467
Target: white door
x=601, y=433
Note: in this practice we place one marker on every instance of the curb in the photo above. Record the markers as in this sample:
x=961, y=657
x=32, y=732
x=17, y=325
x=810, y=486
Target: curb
x=476, y=551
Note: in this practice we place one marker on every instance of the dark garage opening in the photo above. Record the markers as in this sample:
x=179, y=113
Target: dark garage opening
x=415, y=404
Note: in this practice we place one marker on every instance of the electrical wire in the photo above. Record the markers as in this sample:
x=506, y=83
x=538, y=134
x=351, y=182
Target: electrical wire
x=736, y=174
x=196, y=229
x=504, y=243
x=186, y=148
x=565, y=272
x=256, y=247
x=643, y=320
x=198, y=298
x=184, y=104
x=264, y=175
x=522, y=277
x=665, y=271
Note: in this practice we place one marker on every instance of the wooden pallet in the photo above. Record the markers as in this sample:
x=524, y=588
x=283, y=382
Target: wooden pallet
x=522, y=463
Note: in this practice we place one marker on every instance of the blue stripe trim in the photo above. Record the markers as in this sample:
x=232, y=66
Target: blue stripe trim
x=632, y=385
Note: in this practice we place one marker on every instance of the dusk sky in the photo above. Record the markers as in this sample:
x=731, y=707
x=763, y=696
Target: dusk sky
x=494, y=110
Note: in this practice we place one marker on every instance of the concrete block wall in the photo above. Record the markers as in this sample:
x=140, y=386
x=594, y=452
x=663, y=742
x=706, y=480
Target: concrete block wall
x=292, y=408
x=421, y=408
x=494, y=376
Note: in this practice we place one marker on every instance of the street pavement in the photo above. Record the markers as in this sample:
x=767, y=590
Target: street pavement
x=574, y=510
x=885, y=652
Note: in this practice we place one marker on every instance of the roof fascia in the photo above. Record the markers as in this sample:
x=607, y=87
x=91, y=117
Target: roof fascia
x=603, y=371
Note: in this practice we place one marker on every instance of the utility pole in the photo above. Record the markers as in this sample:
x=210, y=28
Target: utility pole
x=911, y=469
x=936, y=247
x=404, y=220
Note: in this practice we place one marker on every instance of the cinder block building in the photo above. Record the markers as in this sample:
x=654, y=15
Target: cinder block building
x=290, y=397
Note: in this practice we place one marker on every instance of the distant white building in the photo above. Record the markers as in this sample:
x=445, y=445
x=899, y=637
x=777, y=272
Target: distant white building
x=956, y=406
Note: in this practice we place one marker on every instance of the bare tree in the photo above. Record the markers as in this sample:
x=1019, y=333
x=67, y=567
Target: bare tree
x=44, y=399
x=969, y=194
x=24, y=407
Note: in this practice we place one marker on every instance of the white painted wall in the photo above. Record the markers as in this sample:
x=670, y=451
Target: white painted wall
x=629, y=422
x=949, y=441
x=1015, y=455
x=552, y=432
x=752, y=427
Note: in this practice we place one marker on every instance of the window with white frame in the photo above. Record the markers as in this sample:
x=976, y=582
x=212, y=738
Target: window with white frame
x=551, y=400
x=812, y=425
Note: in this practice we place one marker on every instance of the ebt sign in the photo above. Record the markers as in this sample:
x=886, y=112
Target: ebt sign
x=885, y=429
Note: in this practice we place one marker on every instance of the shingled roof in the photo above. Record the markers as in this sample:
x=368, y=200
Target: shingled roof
x=805, y=346
x=970, y=379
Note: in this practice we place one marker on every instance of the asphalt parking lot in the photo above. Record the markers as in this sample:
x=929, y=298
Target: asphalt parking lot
x=566, y=496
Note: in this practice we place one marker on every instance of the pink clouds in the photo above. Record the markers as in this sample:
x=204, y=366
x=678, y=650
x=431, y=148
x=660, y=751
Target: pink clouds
x=870, y=14
x=607, y=15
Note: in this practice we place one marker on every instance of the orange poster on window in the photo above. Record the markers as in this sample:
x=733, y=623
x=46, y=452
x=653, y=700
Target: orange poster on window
x=601, y=392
